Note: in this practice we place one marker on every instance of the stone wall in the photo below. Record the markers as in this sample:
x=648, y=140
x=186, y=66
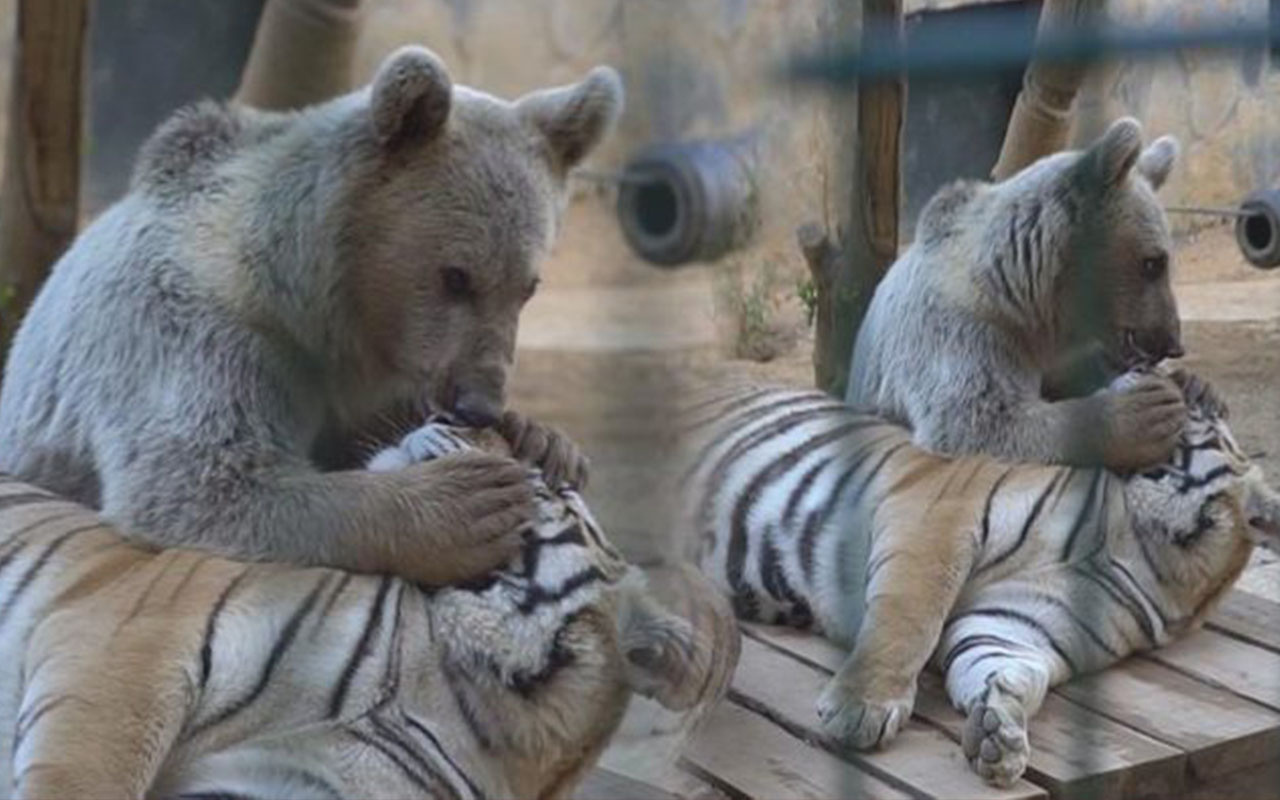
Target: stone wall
x=1224, y=108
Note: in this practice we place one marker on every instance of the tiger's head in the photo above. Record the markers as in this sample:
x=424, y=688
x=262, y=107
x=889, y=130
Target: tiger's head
x=567, y=567
x=1209, y=487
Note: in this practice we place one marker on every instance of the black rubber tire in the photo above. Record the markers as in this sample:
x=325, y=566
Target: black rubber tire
x=1258, y=233
x=688, y=201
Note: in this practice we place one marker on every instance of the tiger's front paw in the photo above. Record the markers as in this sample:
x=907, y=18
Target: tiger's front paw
x=860, y=719
x=995, y=736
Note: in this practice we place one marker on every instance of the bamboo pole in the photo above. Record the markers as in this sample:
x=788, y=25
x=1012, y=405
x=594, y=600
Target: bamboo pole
x=1041, y=115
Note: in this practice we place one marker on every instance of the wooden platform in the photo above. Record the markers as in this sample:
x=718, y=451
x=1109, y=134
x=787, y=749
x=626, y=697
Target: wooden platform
x=1199, y=719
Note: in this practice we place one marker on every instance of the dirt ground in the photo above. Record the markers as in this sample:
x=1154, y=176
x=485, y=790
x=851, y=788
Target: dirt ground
x=610, y=343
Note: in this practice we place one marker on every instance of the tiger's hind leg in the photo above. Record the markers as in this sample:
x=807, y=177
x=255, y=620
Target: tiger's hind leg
x=999, y=684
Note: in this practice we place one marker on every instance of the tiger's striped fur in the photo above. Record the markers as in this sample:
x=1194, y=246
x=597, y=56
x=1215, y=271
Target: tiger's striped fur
x=133, y=672
x=1010, y=578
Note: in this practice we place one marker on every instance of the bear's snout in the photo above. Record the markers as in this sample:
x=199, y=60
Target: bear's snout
x=477, y=410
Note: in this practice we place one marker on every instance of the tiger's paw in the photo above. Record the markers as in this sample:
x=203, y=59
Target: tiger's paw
x=995, y=736
x=862, y=722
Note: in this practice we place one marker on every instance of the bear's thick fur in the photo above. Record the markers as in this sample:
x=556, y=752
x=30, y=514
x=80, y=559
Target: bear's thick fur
x=970, y=338
x=274, y=287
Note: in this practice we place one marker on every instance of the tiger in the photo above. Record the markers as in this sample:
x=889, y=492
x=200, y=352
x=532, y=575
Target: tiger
x=1006, y=578
x=135, y=672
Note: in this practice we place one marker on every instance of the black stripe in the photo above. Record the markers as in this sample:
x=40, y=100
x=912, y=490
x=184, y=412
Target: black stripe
x=986, y=510
x=385, y=732
x=453, y=678
x=818, y=517
x=537, y=595
x=801, y=489
x=1189, y=483
x=1026, y=525
x=973, y=641
x=206, y=649
x=1119, y=595
x=712, y=484
x=1137, y=587
x=742, y=420
x=413, y=777
x=439, y=748
x=335, y=594
x=273, y=658
x=39, y=564
x=1065, y=608
x=1082, y=516
x=372, y=624
x=771, y=571
x=17, y=499
x=738, y=533
x=1025, y=619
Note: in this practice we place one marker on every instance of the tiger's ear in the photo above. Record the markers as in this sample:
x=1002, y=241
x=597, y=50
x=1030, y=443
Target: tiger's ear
x=1156, y=162
x=1109, y=160
x=665, y=657
x=1262, y=509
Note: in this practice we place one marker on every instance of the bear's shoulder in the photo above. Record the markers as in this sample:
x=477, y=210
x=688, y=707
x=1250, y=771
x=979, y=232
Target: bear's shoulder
x=944, y=216
x=182, y=154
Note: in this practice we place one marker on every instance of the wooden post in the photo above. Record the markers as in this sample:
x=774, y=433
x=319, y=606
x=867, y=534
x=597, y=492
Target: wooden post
x=1042, y=113
x=40, y=195
x=847, y=266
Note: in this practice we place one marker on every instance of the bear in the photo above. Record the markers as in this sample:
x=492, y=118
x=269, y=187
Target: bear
x=276, y=293
x=1000, y=327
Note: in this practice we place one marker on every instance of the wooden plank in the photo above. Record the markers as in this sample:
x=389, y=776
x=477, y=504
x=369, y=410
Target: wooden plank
x=1239, y=667
x=1249, y=616
x=1220, y=732
x=748, y=756
x=604, y=784
x=1256, y=783
x=1074, y=751
x=921, y=760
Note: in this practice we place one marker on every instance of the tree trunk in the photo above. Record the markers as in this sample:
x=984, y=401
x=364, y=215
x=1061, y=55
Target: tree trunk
x=847, y=266
x=1041, y=115
x=39, y=199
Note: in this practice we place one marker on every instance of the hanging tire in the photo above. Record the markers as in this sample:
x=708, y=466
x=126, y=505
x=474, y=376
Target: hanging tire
x=1258, y=232
x=681, y=202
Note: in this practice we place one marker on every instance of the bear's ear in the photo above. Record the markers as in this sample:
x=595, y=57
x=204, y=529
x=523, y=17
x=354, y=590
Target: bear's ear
x=576, y=118
x=1108, y=161
x=411, y=97
x=1156, y=162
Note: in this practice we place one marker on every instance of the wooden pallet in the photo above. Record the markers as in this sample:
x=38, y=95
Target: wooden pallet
x=1199, y=719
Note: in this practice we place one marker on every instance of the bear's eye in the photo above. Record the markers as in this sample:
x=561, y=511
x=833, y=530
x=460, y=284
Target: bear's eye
x=457, y=283
x=1153, y=268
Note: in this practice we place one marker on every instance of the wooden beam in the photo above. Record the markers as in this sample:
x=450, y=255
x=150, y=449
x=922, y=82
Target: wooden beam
x=40, y=194
x=847, y=265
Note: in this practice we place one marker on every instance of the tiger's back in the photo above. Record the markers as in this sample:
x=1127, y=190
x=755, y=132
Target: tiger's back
x=180, y=674
x=1011, y=577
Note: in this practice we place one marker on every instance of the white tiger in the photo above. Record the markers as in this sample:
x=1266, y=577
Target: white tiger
x=132, y=672
x=1011, y=578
